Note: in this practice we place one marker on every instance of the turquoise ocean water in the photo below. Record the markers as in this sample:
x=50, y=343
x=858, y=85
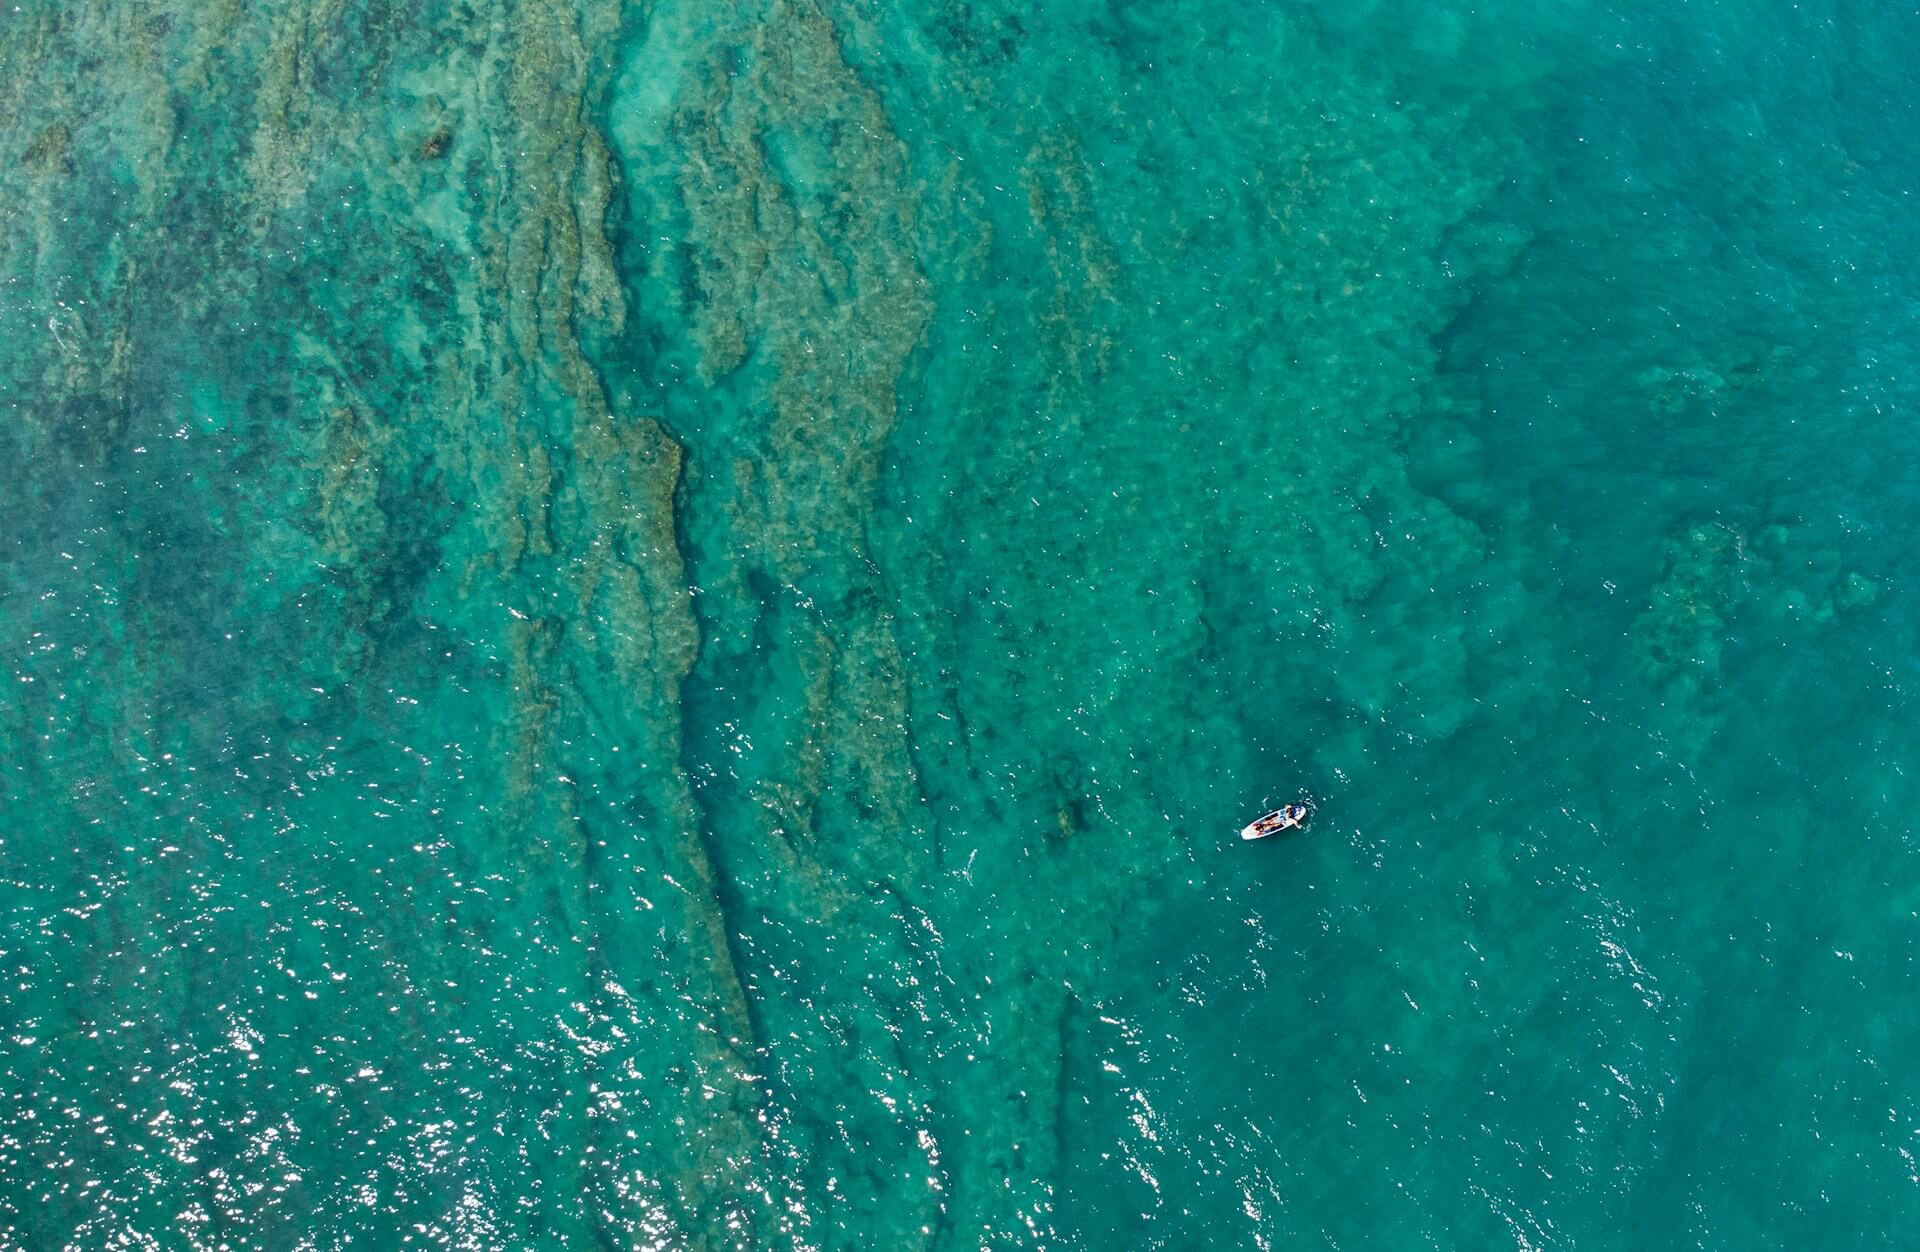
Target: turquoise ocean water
x=650, y=626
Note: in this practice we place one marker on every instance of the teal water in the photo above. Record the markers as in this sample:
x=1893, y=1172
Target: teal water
x=650, y=626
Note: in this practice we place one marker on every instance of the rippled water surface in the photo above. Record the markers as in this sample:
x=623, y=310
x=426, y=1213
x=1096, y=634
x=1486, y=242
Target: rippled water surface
x=650, y=626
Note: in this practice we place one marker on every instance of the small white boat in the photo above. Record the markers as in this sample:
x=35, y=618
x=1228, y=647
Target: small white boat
x=1285, y=817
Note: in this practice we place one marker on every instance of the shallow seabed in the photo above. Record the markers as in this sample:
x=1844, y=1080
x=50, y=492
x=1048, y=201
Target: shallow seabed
x=650, y=626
